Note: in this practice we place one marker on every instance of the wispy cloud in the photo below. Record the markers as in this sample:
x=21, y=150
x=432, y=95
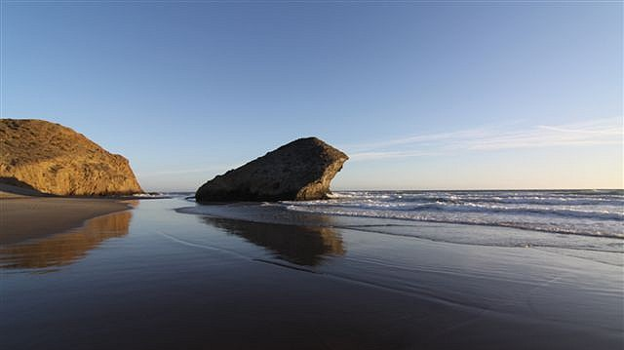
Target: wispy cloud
x=488, y=138
x=417, y=139
x=391, y=154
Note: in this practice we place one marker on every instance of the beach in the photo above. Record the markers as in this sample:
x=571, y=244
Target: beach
x=167, y=275
x=27, y=217
x=301, y=174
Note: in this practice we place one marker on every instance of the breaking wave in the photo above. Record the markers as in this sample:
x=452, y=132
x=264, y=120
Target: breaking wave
x=589, y=212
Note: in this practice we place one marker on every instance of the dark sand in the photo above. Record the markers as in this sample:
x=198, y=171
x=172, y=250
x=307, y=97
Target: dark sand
x=152, y=278
x=25, y=217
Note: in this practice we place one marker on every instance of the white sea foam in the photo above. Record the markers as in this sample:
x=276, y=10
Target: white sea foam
x=594, y=213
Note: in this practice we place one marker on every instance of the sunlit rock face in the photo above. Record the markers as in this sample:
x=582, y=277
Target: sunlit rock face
x=300, y=170
x=51, y=158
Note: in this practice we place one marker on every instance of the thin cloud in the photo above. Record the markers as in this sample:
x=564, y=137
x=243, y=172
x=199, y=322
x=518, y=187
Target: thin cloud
x=419, y=139
x=593, y=132
x=391, y=154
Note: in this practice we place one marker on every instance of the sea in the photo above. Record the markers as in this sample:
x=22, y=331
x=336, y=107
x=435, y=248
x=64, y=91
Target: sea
x=585, y=212
x=581, y=220
x=364, y=269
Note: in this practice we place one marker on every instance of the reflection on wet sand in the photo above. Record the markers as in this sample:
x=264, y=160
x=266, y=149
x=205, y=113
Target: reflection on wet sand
x=295, y=244
x=65, y=248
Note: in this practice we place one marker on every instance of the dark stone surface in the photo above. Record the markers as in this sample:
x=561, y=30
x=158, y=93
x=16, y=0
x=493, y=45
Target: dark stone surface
x=299, y=170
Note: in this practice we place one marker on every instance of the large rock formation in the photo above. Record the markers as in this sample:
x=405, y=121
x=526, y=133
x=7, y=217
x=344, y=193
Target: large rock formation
x=54, y=159
x=300, y=170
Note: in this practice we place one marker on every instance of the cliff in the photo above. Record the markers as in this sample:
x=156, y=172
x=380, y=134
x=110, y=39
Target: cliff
x=54, y=159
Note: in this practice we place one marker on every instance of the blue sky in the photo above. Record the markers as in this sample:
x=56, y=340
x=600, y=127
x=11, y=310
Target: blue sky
x=422, y=95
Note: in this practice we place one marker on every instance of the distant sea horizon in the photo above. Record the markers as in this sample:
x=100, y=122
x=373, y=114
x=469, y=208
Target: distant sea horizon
x=425, y=190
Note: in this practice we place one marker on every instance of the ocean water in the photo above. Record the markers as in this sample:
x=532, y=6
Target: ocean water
x=576, y=212
x=270, y=276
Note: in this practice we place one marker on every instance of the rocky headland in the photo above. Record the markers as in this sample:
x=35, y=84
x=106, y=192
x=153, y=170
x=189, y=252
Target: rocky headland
x=54, y=159
x=300, y=170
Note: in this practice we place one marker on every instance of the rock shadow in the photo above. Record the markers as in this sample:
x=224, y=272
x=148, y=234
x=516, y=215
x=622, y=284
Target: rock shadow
x=65, y=248
x=11, y=184
x=301, y=245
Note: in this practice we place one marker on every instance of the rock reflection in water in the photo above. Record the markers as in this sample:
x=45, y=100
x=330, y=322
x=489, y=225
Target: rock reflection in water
x=296, y=244
x=65, y=248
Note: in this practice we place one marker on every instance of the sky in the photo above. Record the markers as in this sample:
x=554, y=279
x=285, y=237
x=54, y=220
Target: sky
x=419, y=94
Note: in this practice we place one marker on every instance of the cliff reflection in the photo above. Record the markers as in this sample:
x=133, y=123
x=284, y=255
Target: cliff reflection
x=65, y=248
x=296, y=244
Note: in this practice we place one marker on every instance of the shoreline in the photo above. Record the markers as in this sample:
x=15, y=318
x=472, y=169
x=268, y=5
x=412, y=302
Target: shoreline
x=24, y=218
x=351, y=283
x=193, y=211
x=438, y=231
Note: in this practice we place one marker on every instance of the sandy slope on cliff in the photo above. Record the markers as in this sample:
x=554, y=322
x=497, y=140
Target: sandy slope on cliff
x=54, y=159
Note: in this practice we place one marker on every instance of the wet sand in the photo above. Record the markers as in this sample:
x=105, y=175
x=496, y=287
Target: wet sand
x=155, y=278
x=25, y=217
